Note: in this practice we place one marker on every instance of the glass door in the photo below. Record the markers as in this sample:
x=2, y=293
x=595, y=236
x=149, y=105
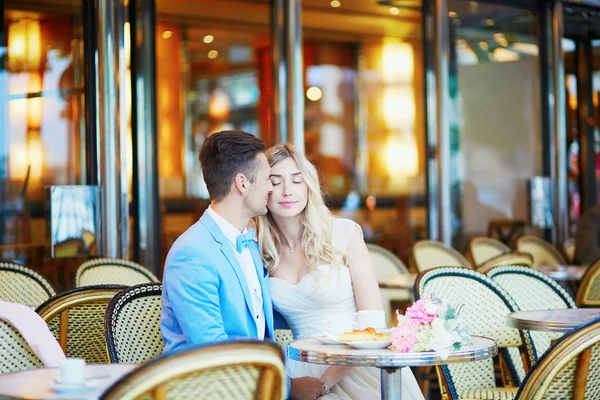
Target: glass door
x=495, y=117
x=581, y=47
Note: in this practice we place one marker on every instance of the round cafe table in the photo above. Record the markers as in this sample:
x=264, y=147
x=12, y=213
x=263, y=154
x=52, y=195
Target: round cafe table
x=552, y=320
x=563, y=272
x=35, y=383
x=389, y=362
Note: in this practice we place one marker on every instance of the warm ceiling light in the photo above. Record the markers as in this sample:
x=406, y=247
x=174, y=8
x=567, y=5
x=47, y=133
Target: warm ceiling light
x=489, y=22
x=335, y=3
x=209, y=38
x=314, y=93
x=213, y=54
x=452, y=14
x=167, y=34
x=24, y=46
x=394, y=10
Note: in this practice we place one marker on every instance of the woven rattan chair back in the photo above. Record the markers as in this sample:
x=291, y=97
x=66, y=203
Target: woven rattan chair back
x=15, y=353
x=588, y=294
x=430, y=254
x=482, y=249
x=234, y=370
x=569, y=370
x=22, y=285
x=385, y=262
x=133, y=324
x=522, y=259
x=533, y=290
x=487, y=305
x=112, y=271
x=283, y=337
x=77, y=317
x=543, y=252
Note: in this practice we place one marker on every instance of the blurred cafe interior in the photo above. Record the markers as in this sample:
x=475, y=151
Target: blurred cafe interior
x=427, y=119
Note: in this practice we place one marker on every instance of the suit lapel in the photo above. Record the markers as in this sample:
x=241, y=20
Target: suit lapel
x=263, y=276
x=231, y=257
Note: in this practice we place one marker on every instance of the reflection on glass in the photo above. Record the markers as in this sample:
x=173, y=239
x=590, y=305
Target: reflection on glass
x=74, y=223
x=364, y=124
x=596, y=105
x=41, y=110
x=495, y=120
x=572, y=122
x=210, y=77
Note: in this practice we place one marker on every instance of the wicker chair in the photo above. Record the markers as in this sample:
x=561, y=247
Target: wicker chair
x=533, y=290
x=569, y=370
x=588, y=294
x=387, y=264
x=486, y=308
x=133, y=324
x=231, y=370
x=23, y=285
x=482, y=249
x=543, y=252
x=112, y=271
x=76, y=318
x=522, y=259
x=15, y=353
x=283, y=337
x=429, y=254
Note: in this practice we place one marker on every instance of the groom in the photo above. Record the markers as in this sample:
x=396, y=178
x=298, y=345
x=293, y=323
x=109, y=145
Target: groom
x=215, y=287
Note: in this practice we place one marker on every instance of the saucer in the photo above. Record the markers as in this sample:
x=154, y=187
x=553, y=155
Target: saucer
x=369, y=345
x=325, y=339
x=70, y=388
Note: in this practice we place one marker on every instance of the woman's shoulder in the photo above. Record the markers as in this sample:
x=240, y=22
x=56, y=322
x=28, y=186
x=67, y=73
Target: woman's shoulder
x=342, y=229
x=344, y=223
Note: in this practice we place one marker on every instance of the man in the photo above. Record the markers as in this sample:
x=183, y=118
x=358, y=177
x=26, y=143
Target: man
x=215, y=286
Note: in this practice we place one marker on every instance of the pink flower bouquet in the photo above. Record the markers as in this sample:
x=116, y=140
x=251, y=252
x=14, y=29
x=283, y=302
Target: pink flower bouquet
x=430, y=325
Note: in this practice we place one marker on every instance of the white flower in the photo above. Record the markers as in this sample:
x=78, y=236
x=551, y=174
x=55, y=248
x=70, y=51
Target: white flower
x=437, y=323
x=431, y=307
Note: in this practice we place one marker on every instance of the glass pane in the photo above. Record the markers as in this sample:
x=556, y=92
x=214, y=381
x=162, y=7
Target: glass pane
x=573, y=132
x=495, y=120
x=213, y=67
x=596, y=105
x=364, y=121
x=41, y=111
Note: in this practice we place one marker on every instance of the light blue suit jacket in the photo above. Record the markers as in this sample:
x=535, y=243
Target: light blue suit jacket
x=205, y=296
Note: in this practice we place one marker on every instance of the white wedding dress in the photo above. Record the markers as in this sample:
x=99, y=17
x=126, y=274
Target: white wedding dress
x=327, y=293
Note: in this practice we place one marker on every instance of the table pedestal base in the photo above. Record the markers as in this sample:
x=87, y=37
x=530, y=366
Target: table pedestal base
x=391, y=383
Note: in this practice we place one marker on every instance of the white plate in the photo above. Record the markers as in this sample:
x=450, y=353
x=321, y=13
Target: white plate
x=323, y=339
x=68, y=388
x=369, y=345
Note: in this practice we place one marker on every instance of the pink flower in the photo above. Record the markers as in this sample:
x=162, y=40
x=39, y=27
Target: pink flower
x=418, y=312
x=404, y=336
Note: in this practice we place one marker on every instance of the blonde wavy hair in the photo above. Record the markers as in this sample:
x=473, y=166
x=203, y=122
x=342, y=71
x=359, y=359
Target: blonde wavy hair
x=316, y=219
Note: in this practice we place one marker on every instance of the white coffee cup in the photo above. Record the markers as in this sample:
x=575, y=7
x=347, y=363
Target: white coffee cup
x=370, y=319
x=71, y=371
x=339, y=324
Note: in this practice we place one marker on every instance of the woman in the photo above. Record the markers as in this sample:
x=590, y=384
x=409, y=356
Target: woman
x=320, y=268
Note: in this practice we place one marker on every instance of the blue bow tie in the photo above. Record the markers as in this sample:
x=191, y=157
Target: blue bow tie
x=244, y=240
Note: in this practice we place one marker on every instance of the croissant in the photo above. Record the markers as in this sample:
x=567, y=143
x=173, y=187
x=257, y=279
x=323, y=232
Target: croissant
x=367, y=335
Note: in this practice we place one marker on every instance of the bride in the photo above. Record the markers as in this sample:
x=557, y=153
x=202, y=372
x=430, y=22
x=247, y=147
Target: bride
x=320, y=268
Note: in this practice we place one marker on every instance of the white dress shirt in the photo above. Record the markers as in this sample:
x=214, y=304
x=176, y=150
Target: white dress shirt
x=247, y=263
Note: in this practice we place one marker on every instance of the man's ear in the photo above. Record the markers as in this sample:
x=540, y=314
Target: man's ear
x=241, y=183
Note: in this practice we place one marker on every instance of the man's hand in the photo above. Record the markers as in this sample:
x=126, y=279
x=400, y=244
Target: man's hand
x=306, y=388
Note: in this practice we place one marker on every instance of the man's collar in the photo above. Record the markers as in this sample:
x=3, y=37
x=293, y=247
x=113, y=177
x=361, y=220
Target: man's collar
x=230, y=231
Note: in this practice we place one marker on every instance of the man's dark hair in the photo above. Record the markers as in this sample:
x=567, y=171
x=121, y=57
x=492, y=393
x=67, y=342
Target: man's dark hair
x=224, y=155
